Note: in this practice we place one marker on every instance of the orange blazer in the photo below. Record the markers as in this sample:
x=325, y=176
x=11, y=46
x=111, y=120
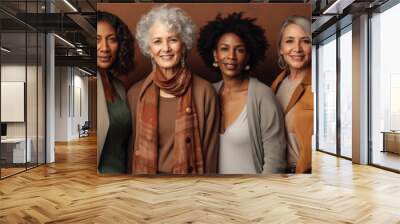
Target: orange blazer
x=299, y=118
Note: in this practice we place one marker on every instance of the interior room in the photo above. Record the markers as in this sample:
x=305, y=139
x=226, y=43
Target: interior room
x=48, y=150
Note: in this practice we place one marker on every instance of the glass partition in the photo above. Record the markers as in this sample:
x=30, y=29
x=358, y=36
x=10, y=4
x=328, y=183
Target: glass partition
x=327, y=95
x=14, y=151
x=22, y=87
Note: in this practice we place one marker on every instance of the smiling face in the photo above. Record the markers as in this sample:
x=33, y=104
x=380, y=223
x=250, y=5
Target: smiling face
x=165, y=46
x=107, y=45
x=231, y=55
x=295, y=47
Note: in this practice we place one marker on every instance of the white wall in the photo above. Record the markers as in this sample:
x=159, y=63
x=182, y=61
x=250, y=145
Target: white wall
x=71, y=94
x=61, y=103
x=13, y=73
x=34, y=124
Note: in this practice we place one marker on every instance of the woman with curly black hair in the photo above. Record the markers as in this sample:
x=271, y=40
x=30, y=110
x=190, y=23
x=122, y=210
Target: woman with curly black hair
x=252, y=135
x=114, y=59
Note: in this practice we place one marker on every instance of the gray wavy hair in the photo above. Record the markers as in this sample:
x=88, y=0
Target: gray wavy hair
x=172, y=17
x=301, y=21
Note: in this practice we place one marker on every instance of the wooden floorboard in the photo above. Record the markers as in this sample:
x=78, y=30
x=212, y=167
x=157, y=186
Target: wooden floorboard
x=70, y=191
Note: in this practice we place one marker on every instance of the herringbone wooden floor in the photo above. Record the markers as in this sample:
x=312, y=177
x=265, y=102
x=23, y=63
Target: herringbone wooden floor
x=70, y=191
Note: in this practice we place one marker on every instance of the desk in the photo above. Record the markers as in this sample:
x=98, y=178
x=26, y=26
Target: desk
x=391, y=141
x=13, y=150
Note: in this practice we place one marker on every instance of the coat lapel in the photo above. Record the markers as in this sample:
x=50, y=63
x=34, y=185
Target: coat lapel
x=278, y=80
x=298, y=92
x=295, y=97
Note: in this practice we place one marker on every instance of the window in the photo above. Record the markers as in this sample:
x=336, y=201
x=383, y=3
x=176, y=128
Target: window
x=385, y=89
x=346, y=74
x=327, y=95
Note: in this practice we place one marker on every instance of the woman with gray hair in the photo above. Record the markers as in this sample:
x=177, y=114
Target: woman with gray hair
x=174, y=112
x=293, y=90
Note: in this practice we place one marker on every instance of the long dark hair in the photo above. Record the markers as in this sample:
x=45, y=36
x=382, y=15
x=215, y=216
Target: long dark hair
x=125, y=56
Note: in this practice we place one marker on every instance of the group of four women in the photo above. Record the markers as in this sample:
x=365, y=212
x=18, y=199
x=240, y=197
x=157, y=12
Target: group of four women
x=174, y=122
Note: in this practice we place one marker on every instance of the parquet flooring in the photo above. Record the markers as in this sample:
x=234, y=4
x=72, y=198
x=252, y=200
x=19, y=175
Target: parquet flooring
x=70, y=191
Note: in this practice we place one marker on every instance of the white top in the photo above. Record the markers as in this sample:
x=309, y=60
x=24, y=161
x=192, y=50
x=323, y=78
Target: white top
x=285, y=91
x=284, y=94
x=235, y=156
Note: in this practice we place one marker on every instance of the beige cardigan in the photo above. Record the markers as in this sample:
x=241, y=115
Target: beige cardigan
x=266, y=128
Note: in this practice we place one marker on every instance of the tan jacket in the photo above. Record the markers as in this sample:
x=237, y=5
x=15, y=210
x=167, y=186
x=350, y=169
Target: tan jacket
x=207, y=107
x=299, y=118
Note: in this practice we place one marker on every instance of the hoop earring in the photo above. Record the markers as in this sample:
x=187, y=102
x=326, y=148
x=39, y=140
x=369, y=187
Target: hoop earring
x=215, y=64
x=247, y=67
x=281, y=62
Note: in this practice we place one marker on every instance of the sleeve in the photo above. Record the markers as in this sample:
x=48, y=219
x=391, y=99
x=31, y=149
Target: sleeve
x=132, y=97
x=211, y=134
x=273, y=134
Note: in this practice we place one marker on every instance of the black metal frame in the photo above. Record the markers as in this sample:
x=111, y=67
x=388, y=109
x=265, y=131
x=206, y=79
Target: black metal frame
x=44, y=74
x=339, y=32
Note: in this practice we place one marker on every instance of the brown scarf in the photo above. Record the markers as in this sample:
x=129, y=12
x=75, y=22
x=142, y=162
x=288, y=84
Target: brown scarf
x=187, y=152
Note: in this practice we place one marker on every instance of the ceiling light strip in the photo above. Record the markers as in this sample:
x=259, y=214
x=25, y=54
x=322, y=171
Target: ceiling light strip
x=65, y=41
x=70, y=5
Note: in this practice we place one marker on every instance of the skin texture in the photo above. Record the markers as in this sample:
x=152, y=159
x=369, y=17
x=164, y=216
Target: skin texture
x=296, y=49
x=166, y=48
x=107, y=45
x=232, y=57
x=107, y=49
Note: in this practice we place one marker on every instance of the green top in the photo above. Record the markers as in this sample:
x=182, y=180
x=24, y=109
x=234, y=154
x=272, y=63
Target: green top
x=114, y=155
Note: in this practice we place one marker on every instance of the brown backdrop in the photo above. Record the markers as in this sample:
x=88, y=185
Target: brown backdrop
x=269, y=16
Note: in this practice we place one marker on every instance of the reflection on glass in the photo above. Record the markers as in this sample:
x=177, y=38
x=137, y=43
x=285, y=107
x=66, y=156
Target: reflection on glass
x=22, y=73
x=346, y=94
x=327, y=96
x=14, y=151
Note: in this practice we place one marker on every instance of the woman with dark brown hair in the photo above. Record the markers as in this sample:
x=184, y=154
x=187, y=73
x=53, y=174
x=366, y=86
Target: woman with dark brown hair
x=114, y=59
x=293, y=90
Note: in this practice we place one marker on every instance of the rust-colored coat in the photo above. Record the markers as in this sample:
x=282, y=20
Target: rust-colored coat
x=299, y=118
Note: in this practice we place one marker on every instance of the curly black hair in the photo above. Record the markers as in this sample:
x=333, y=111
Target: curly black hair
x=251, y=34
x=124, y=61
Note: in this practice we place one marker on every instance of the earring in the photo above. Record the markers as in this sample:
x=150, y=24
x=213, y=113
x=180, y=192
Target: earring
x=215, y=64
x=247, y=67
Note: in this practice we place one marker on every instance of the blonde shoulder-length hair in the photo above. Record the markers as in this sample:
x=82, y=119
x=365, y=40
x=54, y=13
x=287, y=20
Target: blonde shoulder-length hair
x=301, y=21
